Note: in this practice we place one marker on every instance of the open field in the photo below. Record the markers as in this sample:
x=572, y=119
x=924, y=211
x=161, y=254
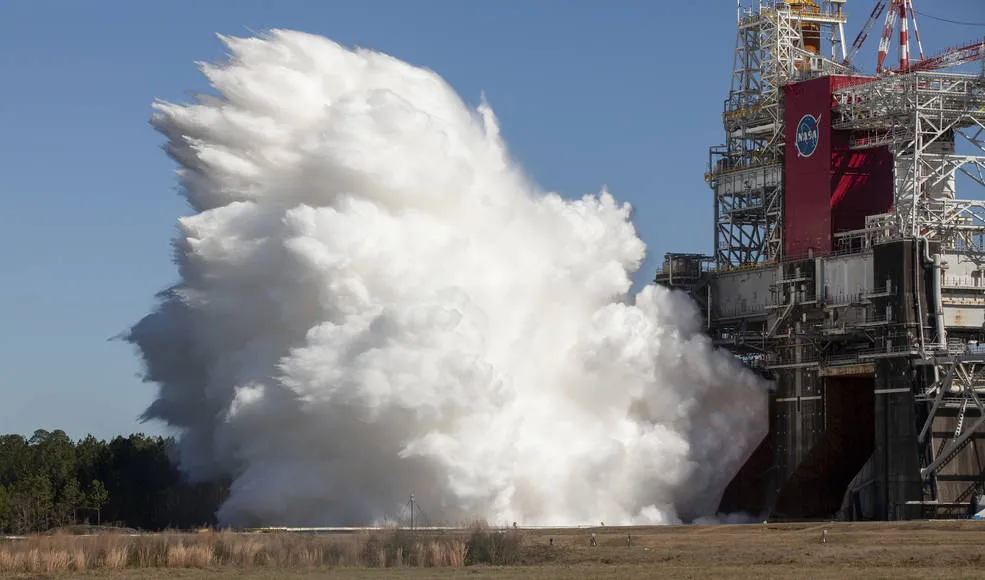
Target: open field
x=954, y=549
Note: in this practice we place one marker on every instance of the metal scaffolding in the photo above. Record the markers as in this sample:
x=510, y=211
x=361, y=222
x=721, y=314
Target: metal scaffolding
x=776, y=43
x=876, y=342
x=924, y=118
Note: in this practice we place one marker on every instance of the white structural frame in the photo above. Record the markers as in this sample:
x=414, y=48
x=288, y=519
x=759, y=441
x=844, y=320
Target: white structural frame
x=923, y=118
x=746, y=173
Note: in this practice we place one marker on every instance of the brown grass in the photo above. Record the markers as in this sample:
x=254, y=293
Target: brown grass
x=382, y=549
x=925, y=550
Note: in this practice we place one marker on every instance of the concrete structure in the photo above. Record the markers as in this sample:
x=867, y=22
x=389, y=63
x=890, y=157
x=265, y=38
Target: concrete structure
x=847, y=269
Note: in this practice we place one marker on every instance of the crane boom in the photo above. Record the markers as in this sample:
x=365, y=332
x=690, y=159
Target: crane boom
x=954, y=56
x=916, y=31
x=877, y=11
x=902, y=11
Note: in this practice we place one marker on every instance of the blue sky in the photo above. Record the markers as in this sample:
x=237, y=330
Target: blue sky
x=622, y=93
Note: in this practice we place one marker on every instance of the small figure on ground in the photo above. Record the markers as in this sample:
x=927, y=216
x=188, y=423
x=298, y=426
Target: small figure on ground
x=594, y=543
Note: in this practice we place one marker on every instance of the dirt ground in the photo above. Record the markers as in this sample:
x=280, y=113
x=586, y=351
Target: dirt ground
x=952, y=549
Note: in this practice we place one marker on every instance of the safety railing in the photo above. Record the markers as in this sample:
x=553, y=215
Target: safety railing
x=964, y=282
x=740, y=310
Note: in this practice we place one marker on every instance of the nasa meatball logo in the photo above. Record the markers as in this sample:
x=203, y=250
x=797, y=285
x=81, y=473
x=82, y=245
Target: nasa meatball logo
x=807, y=135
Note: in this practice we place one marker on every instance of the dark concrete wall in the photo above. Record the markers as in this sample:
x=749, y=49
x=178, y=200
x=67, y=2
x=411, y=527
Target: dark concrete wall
x=896, y=457
x=750, y=491
x=817, y=486
x=896, y=460
x=895, y=262
x=798, y=419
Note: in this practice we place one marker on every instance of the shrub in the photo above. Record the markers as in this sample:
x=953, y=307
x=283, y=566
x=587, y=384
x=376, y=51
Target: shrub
x=496, y=547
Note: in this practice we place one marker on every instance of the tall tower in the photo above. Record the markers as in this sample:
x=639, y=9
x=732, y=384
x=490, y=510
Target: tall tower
x=776, y=43
x=849, y=270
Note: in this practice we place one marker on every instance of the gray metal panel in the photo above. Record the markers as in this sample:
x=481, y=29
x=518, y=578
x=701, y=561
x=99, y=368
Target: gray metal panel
x=741, y=292
x=845, y=277
x=964, y=316
x=758, y=178
x=964, y=269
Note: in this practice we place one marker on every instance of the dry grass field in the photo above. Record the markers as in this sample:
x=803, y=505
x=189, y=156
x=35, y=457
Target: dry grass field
x=925, y=550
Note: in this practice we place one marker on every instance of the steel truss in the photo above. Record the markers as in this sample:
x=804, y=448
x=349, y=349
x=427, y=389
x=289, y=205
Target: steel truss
x=923, y=118
x=746, y=174
x=933, y=124
x=959, y=387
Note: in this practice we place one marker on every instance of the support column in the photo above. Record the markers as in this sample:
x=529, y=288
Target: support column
x=896, y=457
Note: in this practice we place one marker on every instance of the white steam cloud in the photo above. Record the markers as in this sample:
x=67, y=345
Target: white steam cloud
x=374, y=302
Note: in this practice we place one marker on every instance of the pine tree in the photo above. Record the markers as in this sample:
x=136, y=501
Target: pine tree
x=70, y=499
x=96, y=498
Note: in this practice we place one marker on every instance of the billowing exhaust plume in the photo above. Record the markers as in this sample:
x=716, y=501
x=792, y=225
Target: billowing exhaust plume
x=374, y=301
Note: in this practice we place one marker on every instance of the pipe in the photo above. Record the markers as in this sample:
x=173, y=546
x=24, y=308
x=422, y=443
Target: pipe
x=916, y=282
x=935, y=262
x=708, y=318
x=939, y=304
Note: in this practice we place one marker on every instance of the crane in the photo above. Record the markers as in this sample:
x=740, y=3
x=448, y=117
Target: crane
x=877, y=11
x=902, y=11
x=953, y=56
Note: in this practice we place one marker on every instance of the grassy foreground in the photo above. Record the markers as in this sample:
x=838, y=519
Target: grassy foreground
x=884, y=550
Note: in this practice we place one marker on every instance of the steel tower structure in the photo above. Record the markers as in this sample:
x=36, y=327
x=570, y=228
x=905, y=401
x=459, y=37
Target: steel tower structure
x=848, y=269
x=924, y=118
x=775, y=43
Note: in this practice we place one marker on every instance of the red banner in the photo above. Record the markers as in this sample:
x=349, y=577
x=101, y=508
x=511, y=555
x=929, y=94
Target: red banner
x=807, y=197
x=828, y=188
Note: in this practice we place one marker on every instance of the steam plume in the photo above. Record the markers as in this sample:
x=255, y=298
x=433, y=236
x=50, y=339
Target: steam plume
x=374, y=302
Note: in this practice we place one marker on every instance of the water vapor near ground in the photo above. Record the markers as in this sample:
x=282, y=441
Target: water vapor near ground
x=374, y=301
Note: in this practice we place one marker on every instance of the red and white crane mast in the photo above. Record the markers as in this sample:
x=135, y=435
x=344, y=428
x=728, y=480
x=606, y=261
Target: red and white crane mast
x=901, y=10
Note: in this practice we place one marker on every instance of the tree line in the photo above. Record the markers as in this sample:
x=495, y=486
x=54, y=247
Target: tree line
x=49, y=481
